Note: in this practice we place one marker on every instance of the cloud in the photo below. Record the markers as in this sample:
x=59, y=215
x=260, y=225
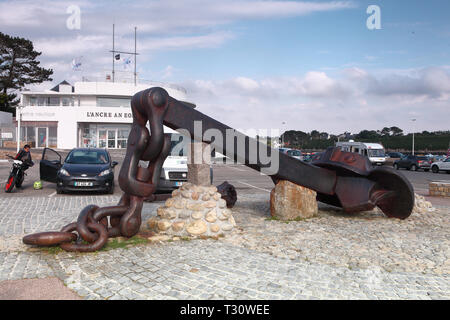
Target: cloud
x=355, y=100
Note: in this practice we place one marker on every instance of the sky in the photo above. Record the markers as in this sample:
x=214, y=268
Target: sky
x=256, y=64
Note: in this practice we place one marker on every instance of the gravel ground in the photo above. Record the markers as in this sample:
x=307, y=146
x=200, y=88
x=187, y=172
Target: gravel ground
x=420, y=243
x=331, y=256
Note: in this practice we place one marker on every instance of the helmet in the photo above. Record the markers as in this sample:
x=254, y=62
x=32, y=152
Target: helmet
x=37, y=185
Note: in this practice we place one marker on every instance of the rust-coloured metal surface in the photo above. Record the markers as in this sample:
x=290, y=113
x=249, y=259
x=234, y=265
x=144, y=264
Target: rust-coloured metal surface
x=340, y=178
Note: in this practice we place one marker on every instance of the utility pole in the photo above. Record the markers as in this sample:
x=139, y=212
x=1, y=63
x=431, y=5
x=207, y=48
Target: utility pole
x=413, y=120
x=135, y=55
x=19, y=114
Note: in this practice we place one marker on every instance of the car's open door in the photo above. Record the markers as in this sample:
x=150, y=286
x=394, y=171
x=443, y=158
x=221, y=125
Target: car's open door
x=49, y=165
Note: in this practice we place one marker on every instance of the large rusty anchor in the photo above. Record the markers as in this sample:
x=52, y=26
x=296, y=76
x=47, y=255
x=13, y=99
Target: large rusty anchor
x=342, y=179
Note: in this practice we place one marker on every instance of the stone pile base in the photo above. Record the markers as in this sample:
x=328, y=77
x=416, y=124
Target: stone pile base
x=193, y=211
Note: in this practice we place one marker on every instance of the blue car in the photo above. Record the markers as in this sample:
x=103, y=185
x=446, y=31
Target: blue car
x=84, y=169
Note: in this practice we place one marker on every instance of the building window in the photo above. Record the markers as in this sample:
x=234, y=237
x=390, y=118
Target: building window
x=68, y=101
x=89, y=137
x=122, y=137
x=32, y=101
x=53, y=101
x=41, y=101
x=113, y=102
x=52, y=137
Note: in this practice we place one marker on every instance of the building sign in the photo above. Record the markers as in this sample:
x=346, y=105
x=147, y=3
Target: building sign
x=111, y=115
x=7, y=135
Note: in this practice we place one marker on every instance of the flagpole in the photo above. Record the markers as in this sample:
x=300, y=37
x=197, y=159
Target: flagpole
x=135, y=56
x=113, y=56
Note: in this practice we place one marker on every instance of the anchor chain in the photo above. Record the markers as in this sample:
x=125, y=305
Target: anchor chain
x=94, y=224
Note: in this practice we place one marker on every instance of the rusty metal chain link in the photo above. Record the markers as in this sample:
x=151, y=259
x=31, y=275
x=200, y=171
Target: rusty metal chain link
x=138, y=183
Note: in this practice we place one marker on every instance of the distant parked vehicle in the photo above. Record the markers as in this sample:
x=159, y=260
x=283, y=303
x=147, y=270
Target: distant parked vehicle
x=395, y=155
x=316, y=156
x=292, y=153
x=439, y=158
x=373, y=151
x=413, y=162
x=443, y=165
x=308, y=157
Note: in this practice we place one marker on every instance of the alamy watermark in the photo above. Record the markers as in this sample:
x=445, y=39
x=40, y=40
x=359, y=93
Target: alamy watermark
x=234, y=145
x=374, y=20
x=73, y=22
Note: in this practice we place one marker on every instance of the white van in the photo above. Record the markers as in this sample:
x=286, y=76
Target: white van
x=174, y=170
x=374, y=151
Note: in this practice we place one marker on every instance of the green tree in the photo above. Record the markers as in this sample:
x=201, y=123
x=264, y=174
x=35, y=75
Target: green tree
x=18, y=67
x=385, y=132
x=396, y=131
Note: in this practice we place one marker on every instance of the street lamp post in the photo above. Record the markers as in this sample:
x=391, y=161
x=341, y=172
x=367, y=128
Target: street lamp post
x=413, y=120
x=282, y=140
x=18, y=116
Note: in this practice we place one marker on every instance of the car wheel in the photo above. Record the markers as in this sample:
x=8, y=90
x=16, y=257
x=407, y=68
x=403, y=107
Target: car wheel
x=111, y=189
x=396, y=166
x=414, y=167
x=435, y=169
x=59, y=191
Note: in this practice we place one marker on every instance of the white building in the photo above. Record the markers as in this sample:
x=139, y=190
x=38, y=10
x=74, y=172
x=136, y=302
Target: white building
x=88, y=114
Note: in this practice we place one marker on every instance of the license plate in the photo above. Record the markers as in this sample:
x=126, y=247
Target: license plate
x=178, y=183
x=83, y=184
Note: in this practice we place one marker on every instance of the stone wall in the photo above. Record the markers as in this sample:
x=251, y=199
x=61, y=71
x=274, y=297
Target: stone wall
x=439, y=189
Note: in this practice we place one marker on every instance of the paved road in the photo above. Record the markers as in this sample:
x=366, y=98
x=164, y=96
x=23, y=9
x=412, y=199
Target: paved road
x=242, y=177
x=375, y=257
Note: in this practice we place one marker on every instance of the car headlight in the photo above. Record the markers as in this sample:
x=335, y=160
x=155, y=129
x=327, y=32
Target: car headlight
x=64, y=172
x=104, y=172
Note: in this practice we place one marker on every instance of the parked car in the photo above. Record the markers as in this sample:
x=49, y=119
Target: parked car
x=443, y=165
x=316, y=156
x=292, y=153
x=84, y=169
x=439, y=158
x=308, y=157
x=413, y=162
x=395, y=155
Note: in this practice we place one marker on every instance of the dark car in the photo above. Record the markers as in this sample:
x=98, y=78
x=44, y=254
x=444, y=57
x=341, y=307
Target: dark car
x=395, y=155
x=84, y=169
x=412, y=162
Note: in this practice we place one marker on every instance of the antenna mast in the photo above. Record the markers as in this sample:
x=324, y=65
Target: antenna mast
x=135, y=54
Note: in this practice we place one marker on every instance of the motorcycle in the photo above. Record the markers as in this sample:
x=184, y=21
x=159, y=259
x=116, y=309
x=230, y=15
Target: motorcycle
x=16, y=176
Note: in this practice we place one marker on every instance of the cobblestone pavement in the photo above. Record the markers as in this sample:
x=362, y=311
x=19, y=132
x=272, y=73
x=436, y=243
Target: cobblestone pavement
x=331, y=256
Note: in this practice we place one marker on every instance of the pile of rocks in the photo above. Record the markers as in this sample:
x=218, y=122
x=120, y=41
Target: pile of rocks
x=421, y=205
x=193, y=211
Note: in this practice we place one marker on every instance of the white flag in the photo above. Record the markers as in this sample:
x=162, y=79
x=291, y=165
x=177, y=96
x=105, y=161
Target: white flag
x=76, y=64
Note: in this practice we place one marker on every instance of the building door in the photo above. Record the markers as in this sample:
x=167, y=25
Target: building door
x=112, y=139
x=102, y=138
x=42, y=141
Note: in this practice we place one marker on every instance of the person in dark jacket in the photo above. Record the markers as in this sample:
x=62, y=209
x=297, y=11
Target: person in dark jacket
x=24, y=155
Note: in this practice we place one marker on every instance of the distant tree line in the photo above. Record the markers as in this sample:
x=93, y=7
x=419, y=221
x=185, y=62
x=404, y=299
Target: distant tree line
x=392, y=138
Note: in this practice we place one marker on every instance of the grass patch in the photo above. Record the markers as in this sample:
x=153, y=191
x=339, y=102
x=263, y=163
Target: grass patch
x=277, y=219
x=116, y=243
x=287, y=221
x=52, y=250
